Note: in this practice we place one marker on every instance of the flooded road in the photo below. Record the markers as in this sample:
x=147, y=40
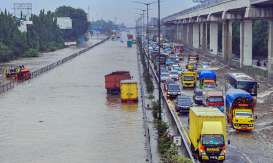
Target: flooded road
x=64, y=116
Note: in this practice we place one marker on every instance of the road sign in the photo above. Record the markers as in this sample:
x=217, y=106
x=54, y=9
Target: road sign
x=177, y=140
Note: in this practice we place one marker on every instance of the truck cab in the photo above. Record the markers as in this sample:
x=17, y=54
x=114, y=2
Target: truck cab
x=240, y=109
x=214, y=98
x=212, y=142
x=207, y=79
x=207, y=133
x=188, y=79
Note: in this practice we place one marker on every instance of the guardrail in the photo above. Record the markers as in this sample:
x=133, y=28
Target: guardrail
x=177, y=122
x=11, y=84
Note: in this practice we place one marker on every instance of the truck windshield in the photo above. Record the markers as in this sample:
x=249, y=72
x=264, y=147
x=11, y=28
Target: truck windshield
x=213, y=140
x=215, y=99
x=209, y=85
x=188, y=78
x=244, y=114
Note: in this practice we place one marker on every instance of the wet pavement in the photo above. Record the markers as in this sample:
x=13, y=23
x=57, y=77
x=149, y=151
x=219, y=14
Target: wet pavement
x=65, y=116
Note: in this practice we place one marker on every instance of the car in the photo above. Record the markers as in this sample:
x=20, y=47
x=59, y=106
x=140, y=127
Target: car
x=173, y=90
x=198, y=96
x=164, y=76
x=177, y=68
x=183, y=104
x=168, y=81
x=174, y=75
x=169, y=62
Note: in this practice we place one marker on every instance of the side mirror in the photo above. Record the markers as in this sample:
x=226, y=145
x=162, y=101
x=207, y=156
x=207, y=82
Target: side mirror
x=255, y=117
x=228, y=142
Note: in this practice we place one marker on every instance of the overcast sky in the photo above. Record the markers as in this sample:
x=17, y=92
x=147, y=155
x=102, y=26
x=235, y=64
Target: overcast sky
x=116, y=10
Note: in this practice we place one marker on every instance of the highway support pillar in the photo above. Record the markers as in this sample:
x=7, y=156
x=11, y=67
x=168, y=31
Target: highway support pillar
x=195, y=35
x=270, y=49
x=184, y=33
x=227, y=41
x=214, y=38
x=190, y=33
x=180, y=32
x=246, y=43
x=176, y=32
x=203, y=36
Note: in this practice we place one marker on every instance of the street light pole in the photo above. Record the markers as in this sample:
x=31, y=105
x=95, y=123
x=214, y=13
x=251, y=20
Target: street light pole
x=159, y=66
x=147, y=37
x=147, y=32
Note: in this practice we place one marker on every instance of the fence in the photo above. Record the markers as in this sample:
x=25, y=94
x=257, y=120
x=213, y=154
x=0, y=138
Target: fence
x=11, y=84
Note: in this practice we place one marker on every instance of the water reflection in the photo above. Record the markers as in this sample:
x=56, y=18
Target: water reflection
x=129, y=107
x=112, y=101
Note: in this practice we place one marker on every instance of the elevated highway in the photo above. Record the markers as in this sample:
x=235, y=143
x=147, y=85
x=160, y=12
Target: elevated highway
x=199, y=26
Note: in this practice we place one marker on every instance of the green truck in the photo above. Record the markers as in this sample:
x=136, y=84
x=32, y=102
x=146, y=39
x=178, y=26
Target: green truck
x=207, y=133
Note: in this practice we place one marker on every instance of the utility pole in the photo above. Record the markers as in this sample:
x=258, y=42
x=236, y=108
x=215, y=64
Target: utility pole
x=159, y=66
x=147, y=37
x=147, y=31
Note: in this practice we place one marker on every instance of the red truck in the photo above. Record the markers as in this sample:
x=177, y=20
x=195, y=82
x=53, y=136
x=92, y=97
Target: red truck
x=112, y=81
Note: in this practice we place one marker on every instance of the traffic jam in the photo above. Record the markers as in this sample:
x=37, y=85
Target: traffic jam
x=206, y=108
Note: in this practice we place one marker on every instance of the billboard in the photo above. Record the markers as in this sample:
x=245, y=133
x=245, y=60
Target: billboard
x=64, y=22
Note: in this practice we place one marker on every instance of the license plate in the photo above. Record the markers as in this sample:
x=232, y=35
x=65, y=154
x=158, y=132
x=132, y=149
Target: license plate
x=213, y=149
x=213, y=157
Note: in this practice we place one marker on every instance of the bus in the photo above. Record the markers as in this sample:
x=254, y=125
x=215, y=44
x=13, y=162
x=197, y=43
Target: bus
x=241, y=81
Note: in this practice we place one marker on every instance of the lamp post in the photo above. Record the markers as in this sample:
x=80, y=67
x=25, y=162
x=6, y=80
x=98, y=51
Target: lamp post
x=147, y=31
x=159, y=66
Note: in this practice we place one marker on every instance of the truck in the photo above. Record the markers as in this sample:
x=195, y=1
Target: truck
x=130, y=38
x=240, y=109
x=188, y=79
x=112, y=81
x=207, y=79
x=128, y=91
x=214, y=98
x=18, y=73
x=207, y=133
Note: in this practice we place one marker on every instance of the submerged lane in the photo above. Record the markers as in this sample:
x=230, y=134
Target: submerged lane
x=64, y=116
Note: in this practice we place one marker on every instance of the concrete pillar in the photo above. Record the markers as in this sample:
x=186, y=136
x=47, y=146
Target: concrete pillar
x=246, y=43
x=203, y=36
x=227, y=40
x=190, y=34
x=195, y=35
x=213, y=38
x=176, y=33
x=270, y=49
x=185, y=33
x=180, y=32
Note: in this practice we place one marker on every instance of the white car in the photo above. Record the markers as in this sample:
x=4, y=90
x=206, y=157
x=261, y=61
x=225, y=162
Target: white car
x=174, y=75
x=164, y=76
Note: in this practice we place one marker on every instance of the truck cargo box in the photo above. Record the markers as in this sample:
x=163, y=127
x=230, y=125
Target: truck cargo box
x=112, y=81
x=128, y=91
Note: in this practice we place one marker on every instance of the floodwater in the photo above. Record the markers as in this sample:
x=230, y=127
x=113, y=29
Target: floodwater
x=65, y=116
